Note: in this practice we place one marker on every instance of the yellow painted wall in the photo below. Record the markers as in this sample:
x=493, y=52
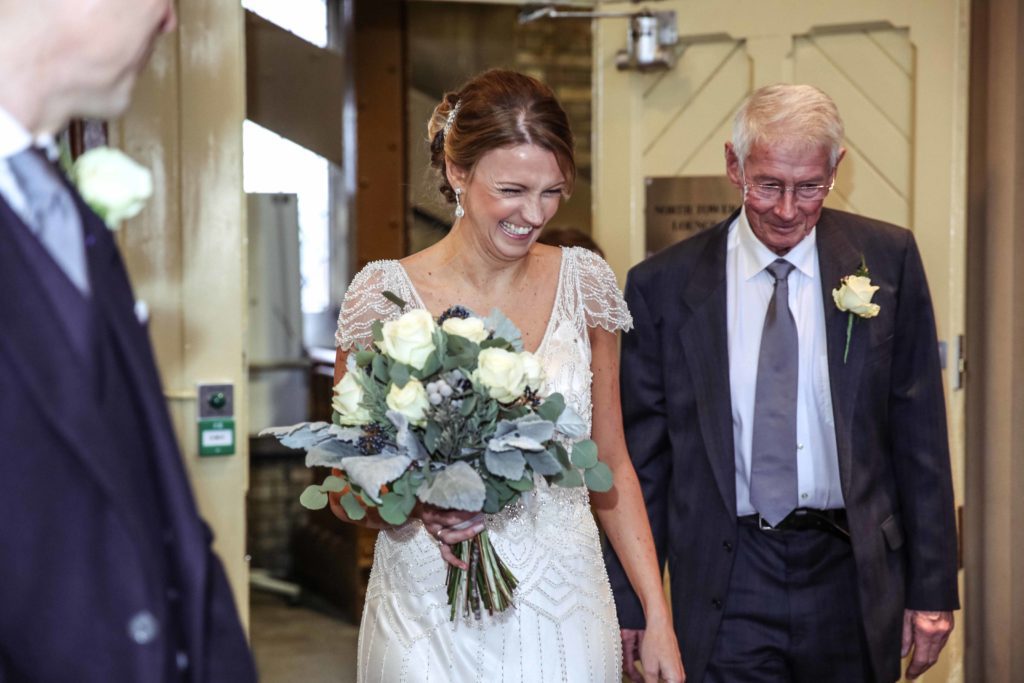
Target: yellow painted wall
x=186, y=253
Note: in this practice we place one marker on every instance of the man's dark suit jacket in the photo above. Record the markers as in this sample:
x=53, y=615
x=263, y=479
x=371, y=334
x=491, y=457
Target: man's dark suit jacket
x=86, y=587
x=890, y=426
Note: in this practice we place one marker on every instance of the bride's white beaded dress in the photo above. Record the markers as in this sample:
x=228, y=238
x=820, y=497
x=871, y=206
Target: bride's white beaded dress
x=563, y=625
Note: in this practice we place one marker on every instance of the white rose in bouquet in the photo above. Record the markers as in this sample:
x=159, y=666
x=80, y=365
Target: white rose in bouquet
x=410, y=339
x=502, y=373
x=348, y=397
x=411, y=401
x=470, y=328
x=112, y=184
x=533, y=373
x=854, y=295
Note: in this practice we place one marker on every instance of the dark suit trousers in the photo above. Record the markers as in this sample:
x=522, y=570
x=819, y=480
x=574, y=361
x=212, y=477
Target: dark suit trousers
x=791, y=614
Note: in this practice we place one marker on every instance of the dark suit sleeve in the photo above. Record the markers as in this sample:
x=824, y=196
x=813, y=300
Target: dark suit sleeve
x=643, y=411
x=917, y=413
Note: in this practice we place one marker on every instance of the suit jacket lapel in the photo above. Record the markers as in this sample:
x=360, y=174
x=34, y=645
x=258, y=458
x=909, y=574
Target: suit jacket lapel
x=837, y=258
x=53, y=374
x=704, y=337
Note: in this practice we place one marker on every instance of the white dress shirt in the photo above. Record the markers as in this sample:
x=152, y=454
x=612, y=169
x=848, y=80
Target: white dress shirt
x=748, y=290
x=13, y=139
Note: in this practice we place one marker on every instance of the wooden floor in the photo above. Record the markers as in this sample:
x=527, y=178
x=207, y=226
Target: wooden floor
x=301, y=643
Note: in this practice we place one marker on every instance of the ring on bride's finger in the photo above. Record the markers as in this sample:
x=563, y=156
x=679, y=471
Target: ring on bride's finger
x=437, y=534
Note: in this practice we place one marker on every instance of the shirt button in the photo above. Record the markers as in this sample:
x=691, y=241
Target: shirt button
x=143, y=628
x=804, y=496
x=799, y=446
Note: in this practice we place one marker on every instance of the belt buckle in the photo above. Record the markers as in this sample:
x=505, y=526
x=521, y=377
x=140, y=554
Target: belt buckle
x=764, y=525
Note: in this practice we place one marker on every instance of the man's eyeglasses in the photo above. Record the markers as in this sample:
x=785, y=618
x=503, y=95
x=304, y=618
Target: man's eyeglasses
x=773, y=192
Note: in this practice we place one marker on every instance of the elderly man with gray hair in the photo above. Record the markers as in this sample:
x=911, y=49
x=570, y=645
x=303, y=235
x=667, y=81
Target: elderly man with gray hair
x=107, y=574
x=784, y=410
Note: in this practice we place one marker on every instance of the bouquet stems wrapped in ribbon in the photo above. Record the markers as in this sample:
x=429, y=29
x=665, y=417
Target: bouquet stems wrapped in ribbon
x=447, y=412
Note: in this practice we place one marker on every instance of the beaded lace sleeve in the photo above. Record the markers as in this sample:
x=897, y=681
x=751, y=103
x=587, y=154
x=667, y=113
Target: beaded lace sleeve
x=600, y=298
x=364, y=302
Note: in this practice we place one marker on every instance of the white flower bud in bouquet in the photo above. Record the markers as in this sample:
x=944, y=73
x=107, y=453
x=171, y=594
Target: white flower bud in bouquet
x=348, y=396
x=112, y=184
x=411, y=401
x=533, y=373
x=854, y=295
x=470, y=328
x=502, y=373
x=410, y=339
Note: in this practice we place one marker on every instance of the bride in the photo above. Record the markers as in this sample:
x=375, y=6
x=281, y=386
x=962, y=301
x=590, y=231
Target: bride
x=504, y=152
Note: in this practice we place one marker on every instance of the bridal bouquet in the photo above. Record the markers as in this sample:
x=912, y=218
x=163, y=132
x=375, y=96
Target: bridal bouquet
x=448, y=413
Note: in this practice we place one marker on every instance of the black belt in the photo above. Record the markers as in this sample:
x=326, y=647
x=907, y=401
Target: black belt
x=803, y=519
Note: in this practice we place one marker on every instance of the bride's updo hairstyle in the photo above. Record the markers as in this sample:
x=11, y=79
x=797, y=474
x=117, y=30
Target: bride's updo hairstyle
x=496, y=109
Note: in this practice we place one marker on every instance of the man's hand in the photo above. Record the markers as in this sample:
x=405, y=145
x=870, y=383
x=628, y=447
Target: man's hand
x=924, y=634
x=632, y=639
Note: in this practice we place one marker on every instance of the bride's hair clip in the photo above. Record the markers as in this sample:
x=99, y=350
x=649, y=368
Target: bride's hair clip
x=451, y=118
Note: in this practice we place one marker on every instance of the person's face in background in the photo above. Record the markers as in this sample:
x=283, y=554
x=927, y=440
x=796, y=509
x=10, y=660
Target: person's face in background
x=104, y=46
x=510, y=196
x=781, y=225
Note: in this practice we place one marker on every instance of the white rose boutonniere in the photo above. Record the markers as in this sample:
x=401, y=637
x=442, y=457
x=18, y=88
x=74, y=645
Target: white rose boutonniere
x=854, y=295
x=112, y=184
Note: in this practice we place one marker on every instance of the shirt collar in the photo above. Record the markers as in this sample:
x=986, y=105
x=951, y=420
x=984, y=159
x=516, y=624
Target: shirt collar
x=755, y=256
x=15, y=138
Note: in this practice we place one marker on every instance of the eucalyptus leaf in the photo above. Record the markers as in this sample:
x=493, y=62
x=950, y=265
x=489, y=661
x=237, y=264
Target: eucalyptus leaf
x=370, y=472
x=569, y=478
x=457, y=487
x=353, y=508
x=544, y=463
x=506, y=463
x=392, y=509
x=378, y=331
x=313, y=498
x=431, y=436
x=584, y=454
x=491, y=498
x=598, y=478
x=521, y=485
x=431, y=365
x=333, y=484
x=380, y=369
x=400, y=374
x=468, y=405
x=552, y=407
x=561, y=455
x=364, y=358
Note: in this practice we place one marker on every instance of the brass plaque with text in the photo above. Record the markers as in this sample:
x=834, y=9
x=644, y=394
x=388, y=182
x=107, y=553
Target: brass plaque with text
x=679, y=207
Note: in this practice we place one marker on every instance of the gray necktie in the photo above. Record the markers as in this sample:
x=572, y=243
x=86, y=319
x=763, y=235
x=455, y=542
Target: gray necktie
x=54, y=217
x=773, y=454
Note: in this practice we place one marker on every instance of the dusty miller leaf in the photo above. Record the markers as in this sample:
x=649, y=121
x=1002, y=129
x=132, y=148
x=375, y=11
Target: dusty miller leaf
x=506, y=463
x=544, y=463
x=457, y=487
x=571, y=424
x=370, y=472
x=503, y=328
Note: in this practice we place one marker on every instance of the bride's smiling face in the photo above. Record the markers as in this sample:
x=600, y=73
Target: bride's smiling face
x=510, y=196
